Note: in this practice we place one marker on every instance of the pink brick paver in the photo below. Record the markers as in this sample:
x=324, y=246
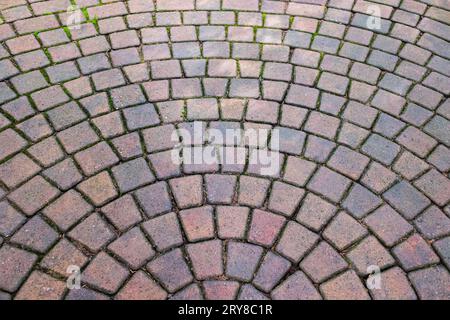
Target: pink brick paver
x=348, y=170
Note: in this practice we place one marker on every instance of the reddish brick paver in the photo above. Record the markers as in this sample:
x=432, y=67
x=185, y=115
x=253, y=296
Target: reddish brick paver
x=94, y=152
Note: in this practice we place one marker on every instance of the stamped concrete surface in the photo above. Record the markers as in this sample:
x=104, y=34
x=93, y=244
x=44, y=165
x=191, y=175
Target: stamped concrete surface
x=357, y=208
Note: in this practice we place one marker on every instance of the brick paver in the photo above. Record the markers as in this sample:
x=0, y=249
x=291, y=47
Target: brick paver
x=349, y=170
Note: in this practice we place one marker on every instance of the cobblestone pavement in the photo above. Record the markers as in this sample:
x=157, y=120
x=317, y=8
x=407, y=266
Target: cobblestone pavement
x=86, y=177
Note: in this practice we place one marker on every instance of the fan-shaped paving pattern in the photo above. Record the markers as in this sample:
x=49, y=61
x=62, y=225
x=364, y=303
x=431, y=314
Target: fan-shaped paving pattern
x=86, y=176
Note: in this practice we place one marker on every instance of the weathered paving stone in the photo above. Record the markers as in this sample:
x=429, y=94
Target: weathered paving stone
x=206, y=259
x=414, y=253
x=132, y=174
x=346, y=286
x=33, y=195
x=15, y=266
x=133, y=248
x=40, y=286
x=344, y=230
x=99, y=188
x=369, y=252
x=388, y=225
x=296, y=241
x=242, y=260
x=296, y=287
x=323, y=262
x=105, y=273
x=431, y=283
x=67, y=209
x=141, y=287
x=11, y=219
x=271, y=270
x=94, y=121
x=171, y=270
x=220, y=290
x=63, y=255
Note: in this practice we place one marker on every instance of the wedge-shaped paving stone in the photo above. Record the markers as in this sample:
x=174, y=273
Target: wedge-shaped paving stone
x=369, y=252
x=346, y=286
x=315, y=212
x=396, y=286
x=329, y=184
x=99, y=188
x=164, y=231
x=378, y=178
x=127, y=96
x=220, y=188
x=442, y=247
x=360, y=201
x=128, y=146
x=17, y=170
x=381, y=149
x=262, y=111
x=252, y=191
x=77, y=137
x=302, y=96
x=160, y=138
x=133, y=248
x=66, y=115
x=288, y=140
x=36, y=235
x=187, y=191
x=415, y=253
x=410, y=166
x=298, y=171
x=348, y=162
x=322, y=125
x=221, y=290
x=206, y=259
x=40, y=286
x=15, y=266
x=132, y=174
x=11, y=143
x=296, y=287
x=67, y=210
x=110, y=125
x=33, y=195
x=141, y=116
x=141, y=287
x=242, y=260
x=343, y=231
x=10, y=219
x=105, y=273
x=284, y=198
x=296, y=241
x=198, y=223
x=433, y=223
x=123, y=212
x=406, y=199
x=93, y=232
x=438, y=127
x=64, y=174
x=232, y=221
x=431, y=283
x=63, y=255
x=265, y=227
x=435, y=186
x=416, y=141
x=323, y=262
x=96, y=158
x=171, y=270
x=388, y=225
x=271, y=271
